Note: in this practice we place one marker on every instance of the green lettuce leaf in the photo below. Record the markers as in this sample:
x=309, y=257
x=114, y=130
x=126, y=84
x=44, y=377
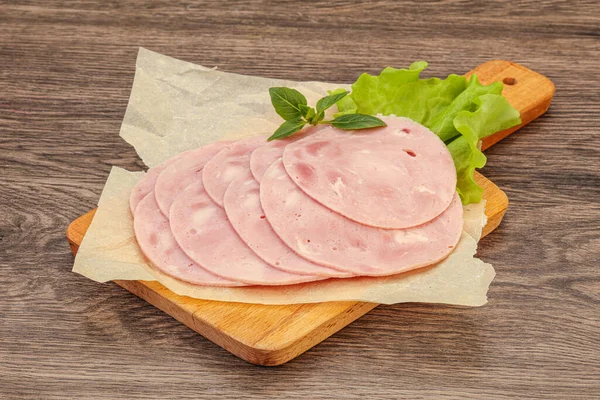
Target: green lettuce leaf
x=460, y=111
x=493, y=113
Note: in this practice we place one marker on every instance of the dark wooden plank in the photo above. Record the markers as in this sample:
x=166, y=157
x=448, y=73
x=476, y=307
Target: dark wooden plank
x=65, y=73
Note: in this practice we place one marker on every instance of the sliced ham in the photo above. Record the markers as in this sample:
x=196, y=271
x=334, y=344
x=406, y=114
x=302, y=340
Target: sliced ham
x=153, y=234
x=204, y=233
x=264, y=156
x=180, y=173
x=328, y=238
x=242, y=205
x=148, y=181
x=393, y=177
x=227, y=165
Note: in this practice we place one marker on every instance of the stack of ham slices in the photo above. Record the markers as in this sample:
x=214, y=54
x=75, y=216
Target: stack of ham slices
x=326, y=203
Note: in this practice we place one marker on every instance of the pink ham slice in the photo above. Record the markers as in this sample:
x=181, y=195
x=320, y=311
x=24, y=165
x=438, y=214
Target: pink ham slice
x=147, y=183
x=227, y=165
x=264, y=156
x=326, y=237
x=204, y=233
x=153, y=234
x=393, y=177
x=242, y=205
x=180, y=173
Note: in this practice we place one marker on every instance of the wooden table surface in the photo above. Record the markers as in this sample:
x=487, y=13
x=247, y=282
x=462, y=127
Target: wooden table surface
x=66, y=69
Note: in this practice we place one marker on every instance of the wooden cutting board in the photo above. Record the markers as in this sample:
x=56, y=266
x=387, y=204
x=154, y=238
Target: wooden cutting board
x=273, y=335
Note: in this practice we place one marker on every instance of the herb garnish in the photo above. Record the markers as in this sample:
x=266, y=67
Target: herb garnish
x=291, y=105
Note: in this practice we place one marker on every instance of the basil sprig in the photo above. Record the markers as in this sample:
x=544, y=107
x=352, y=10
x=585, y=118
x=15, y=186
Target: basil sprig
x=291, y=105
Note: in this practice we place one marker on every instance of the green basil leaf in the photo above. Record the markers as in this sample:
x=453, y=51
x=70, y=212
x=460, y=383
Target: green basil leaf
x=288, y=128
x=287, y=102
x=319, y=117
x=330, y=100
x=310, y=115
x=357, y=121
x=305, y=110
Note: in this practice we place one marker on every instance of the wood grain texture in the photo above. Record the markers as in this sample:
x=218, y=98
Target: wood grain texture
x=261, y=334
x=65, y=74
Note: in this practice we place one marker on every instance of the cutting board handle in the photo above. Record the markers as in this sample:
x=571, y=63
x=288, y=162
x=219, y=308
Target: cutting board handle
x=526, y=90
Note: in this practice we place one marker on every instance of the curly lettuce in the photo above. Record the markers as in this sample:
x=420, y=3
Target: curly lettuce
x=460, y=110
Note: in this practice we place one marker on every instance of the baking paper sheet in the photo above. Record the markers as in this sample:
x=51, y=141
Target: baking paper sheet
x=176, y=106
